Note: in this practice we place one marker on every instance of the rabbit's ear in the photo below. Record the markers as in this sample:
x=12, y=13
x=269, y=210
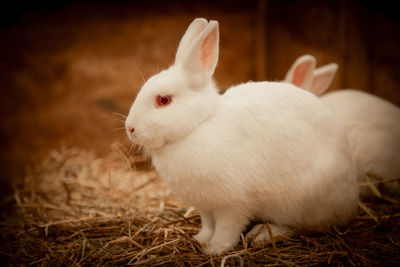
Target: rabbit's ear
x=202, y=56
x=301, y=72
x=323, y=78
x=194, y=29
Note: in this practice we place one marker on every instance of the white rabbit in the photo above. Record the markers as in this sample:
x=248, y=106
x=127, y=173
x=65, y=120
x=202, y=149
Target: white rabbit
x=373, y=123
x=265, y=151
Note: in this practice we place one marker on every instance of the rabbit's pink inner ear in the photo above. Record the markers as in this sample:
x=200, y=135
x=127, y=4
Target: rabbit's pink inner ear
x=209, y=51
x=301, y=73
x=318, y=87
x=323, y=78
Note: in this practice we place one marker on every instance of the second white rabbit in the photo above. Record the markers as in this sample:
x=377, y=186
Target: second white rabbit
x=372, y=123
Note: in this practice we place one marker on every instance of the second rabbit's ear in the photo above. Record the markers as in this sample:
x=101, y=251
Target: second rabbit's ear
x=194, y=29
x=201, y=57
x=323, y=78
x=301, y=72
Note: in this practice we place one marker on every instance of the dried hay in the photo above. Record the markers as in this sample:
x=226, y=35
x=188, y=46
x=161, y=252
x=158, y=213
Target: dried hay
x=76, y=209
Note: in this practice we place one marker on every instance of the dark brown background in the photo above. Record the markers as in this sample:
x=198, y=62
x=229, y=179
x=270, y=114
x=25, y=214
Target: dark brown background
x=66, y=67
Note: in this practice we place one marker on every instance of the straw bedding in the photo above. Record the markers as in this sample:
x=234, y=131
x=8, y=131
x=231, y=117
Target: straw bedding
x=76, y=209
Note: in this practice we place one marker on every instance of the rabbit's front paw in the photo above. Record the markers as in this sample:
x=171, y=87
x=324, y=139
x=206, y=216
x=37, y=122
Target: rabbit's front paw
x=207, y=227
x=203, y=236
x=228, y=226
x=218, y=248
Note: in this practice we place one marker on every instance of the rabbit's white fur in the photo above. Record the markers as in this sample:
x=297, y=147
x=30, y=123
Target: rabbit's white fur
x=265, y=151
x=373, y=123
x=374, y=131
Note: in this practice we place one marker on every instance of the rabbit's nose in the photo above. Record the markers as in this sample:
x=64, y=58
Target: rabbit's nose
x=131, y=129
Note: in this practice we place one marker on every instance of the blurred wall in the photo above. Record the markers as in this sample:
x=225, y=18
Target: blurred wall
x=362, y=36
x=68, y=66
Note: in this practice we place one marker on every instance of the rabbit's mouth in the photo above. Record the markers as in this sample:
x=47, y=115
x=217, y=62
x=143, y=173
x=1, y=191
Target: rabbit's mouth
x=148, y=141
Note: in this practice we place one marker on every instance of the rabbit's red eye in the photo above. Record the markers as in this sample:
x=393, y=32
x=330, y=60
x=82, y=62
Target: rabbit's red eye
x=163, y=100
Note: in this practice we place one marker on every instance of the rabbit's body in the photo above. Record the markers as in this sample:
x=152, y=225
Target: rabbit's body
x=264, y=151
x=245, y=159
x=374, y=132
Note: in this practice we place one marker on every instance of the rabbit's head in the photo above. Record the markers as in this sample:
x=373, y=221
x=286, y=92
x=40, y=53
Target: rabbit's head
x=304, y=75
x=172, y=103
